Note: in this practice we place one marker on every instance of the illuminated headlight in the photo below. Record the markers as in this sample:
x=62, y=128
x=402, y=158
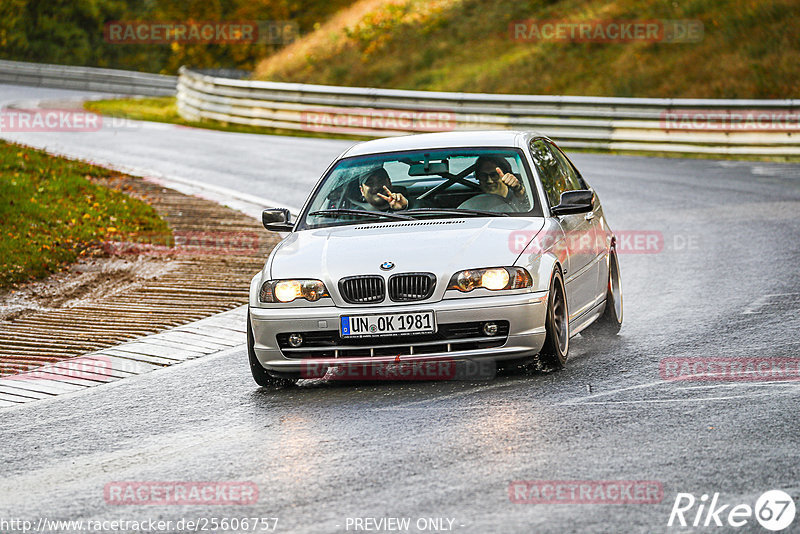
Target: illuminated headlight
x=289, y=290
x=495, y=279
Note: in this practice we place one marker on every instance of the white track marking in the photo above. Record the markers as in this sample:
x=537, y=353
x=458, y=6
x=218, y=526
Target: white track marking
x=695, y=400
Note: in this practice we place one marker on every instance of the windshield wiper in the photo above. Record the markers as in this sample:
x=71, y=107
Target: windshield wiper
x=457, y=211
x=363, y=213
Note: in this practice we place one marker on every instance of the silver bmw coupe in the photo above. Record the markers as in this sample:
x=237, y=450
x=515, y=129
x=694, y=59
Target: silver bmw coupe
x=446, y=247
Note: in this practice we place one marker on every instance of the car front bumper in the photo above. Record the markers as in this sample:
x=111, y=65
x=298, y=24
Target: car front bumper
x=524, y=312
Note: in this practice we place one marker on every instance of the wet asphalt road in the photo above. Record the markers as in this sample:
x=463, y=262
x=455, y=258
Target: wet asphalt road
x=725, y=284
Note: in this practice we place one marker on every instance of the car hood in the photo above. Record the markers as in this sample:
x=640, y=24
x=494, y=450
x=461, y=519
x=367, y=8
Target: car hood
x=440, y=246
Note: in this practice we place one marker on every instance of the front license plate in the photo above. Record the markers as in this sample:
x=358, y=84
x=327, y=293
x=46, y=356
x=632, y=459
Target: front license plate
x=387, y=324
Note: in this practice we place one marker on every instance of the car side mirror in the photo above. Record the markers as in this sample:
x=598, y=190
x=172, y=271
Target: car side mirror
x=580, y=201
x=276, y=220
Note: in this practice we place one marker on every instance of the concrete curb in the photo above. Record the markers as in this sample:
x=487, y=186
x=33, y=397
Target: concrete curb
x=212, y=335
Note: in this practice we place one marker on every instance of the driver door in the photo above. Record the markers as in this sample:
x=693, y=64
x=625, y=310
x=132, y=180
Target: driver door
x=580, y=277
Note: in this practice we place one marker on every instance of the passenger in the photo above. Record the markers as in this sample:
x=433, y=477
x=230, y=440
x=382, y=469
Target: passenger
x=495, y=177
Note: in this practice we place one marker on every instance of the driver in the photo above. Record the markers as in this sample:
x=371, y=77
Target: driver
x=374, y=186
x=495, y=177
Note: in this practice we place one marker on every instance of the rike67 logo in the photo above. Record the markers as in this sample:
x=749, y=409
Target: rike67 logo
x=774, y=510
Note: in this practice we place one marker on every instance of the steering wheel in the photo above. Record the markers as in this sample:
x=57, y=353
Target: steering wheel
x=487, y=202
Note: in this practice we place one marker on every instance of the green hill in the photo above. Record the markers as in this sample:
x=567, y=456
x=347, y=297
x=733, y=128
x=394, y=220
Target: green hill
x=749, y=49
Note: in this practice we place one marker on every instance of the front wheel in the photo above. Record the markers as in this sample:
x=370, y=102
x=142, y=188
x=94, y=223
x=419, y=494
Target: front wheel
x=556, y=344
x=608, y=324
x=260, y=375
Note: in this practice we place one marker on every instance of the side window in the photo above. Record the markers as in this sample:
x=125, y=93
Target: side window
x=553, y=178
x=573, y=179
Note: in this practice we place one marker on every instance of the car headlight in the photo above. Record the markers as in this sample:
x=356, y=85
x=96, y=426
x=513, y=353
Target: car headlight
x=494, y=278
x=289, y=290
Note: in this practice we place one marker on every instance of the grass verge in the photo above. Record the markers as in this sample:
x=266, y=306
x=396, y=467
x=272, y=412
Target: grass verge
x=51, y=214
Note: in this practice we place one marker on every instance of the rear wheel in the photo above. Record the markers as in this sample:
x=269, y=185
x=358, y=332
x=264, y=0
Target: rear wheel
x=260, y=375
x=556, y=344
x=608, y=324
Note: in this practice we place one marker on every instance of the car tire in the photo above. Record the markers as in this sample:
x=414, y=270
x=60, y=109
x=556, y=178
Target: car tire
x=608, y=324
x=260, y=375
x=553, y=355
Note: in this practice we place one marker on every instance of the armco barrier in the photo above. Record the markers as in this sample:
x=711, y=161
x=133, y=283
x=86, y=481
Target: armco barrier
x=87, y=79
x=703, y=126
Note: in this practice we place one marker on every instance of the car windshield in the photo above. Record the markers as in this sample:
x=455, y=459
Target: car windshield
x=476, y=182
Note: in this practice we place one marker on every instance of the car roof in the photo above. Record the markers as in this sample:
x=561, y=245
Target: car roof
x=484, y=138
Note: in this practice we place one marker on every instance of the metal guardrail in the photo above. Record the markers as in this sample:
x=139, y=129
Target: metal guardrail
x=736, y=127
x=87, y=79
x=702, y=126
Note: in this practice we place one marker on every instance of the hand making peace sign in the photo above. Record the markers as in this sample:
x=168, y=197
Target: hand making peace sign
x=396, y=200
